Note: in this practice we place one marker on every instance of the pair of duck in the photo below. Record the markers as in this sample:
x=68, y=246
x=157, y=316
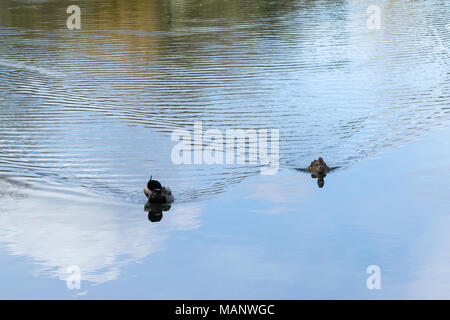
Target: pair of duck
x=158, y=194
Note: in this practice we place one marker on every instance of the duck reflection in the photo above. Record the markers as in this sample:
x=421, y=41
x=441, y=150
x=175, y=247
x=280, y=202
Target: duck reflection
x=155, y=210
x=320, y=176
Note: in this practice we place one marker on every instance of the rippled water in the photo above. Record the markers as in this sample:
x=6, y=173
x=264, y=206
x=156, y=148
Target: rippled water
x=86, y=117
x=95, y=107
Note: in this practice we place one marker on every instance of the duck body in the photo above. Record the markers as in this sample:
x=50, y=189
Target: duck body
x=318, y=166
x=155, y=193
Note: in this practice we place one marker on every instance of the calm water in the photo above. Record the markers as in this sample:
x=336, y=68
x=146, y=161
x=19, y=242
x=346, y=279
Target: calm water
x=86, y=116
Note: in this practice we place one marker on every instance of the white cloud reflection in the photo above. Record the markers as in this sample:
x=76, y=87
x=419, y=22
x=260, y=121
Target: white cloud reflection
x=54, y=230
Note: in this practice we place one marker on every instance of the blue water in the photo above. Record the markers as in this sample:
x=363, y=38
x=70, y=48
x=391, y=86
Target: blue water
x=86, y=117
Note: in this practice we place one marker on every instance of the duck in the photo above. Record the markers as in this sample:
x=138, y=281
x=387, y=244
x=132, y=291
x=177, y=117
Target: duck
x=156, y=193
x=318, y=166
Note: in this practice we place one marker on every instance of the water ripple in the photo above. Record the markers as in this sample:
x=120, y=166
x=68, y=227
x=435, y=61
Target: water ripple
x=96, y=107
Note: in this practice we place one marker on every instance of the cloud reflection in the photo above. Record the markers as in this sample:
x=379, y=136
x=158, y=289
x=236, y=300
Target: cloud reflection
x=55, y=229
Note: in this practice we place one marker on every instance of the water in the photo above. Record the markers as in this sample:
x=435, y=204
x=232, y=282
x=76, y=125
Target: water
x=86, y=115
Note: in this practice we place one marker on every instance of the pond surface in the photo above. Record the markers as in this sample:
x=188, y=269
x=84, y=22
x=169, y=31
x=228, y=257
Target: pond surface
x=86, y=116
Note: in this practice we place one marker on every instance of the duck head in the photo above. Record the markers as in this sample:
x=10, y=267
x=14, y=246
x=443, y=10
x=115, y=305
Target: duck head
x=153, y=184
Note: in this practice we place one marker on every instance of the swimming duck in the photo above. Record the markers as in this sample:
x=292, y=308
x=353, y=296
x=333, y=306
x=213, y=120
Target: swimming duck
x=318, y=166
x=156, y=193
